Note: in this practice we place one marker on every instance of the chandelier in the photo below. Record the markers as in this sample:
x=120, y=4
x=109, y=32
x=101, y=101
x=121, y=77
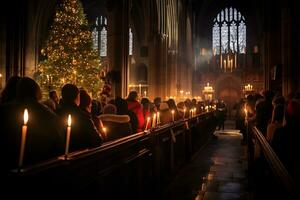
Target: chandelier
x=208, y=92
x=248, y=88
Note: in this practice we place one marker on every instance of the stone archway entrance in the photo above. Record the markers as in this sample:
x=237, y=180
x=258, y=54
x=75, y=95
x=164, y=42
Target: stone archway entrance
x=228, y=89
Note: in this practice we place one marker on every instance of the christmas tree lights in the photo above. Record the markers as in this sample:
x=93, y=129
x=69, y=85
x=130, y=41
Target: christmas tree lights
x=68, y=51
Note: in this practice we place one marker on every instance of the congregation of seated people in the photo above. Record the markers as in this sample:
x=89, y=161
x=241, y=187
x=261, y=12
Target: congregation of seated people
x=277, y=118
x=93, y=121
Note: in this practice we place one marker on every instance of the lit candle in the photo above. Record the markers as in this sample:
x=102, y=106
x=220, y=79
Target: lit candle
x=158, y=118
x=0, y=81
x=148, y=120
x=246, y=112
x=68, y=136
x=145, y=93
x=184, y=110
x=140, y=89
x=23, y=138
x=235, y=61
x=172, y=111
x=154, y=120
x=221, y=60
x=104, y=131
x=75, y=74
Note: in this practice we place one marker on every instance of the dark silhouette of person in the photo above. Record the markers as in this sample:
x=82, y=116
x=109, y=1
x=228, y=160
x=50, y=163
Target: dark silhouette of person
x=43, y=139
x=84, y=134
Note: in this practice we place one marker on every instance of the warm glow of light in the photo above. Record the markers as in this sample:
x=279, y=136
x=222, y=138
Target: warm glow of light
x=172, y=111
x=25, y=116
x=0, y=75
x=69, y=120
x=104, y=129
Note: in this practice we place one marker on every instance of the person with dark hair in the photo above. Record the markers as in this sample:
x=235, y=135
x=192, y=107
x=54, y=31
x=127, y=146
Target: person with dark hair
x=172, y=106
x=263, y=112
x=136, y=107
x=43, y=140
x=122, y=109
x=9, y=92
x=276, y=121
x=53, y=100
x=86, y=106
x=84, y=133
x=117, y=125
x=285, y=140
x=157, y=102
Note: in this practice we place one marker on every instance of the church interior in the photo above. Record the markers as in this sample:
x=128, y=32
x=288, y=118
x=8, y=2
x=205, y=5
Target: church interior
x=150, y=99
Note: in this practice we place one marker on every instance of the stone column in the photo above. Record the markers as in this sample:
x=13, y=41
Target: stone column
x=118, y=45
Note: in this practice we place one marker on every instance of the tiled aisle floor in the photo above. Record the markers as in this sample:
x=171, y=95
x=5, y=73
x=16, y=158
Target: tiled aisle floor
x=217, y=173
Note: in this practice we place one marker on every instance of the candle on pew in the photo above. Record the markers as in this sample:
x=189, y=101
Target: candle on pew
x=172, y=111
x=158, y=118
x=23, y=138
x=148, y=120
x=68, y=136
x=184, y=110
x=154, y=120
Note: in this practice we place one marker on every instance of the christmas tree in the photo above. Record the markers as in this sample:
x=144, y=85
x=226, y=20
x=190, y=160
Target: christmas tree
x=68, y=51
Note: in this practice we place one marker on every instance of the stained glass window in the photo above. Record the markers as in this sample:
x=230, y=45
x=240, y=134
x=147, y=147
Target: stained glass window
x=99, y=33
x=130, y=42
x=231, y=26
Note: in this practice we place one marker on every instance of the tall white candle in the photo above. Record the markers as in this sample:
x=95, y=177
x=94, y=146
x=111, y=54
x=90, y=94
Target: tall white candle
x=140, y=89
x=172, y=111
x=184, y=110
x=148, y=120
x=158, y=118
x=23, y=138
x=154, y=120
x=68, y=136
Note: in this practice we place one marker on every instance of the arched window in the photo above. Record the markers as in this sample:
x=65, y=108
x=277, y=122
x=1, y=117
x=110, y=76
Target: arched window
x=100, y=35
x=229, y=32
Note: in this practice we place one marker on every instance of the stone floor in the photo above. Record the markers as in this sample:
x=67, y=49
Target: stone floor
x=217, y=173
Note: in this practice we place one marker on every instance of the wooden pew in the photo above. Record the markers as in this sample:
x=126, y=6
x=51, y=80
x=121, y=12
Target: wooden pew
x=138, y=166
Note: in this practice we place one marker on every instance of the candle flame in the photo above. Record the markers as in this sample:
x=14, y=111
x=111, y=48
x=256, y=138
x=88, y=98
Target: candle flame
x=172, y=111
x=25, y=116
x=69, y=120
x=104, y=129
x=148, y=119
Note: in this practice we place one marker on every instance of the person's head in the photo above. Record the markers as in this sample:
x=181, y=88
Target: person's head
x=122, y=106
x=157, y=101
x=28, y=89
x=164, y=106
x=70, y=94
x=171, y=103
x=110, y=109
x=278, y=100
x=132, y=96
x=292, y=116
x=278, y=113
x=9, y=92
x=97, y=108
x=53, y=95
x=85, y=101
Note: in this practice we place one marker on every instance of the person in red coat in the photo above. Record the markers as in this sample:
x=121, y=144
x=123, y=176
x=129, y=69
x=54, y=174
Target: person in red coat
x=137, y=108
